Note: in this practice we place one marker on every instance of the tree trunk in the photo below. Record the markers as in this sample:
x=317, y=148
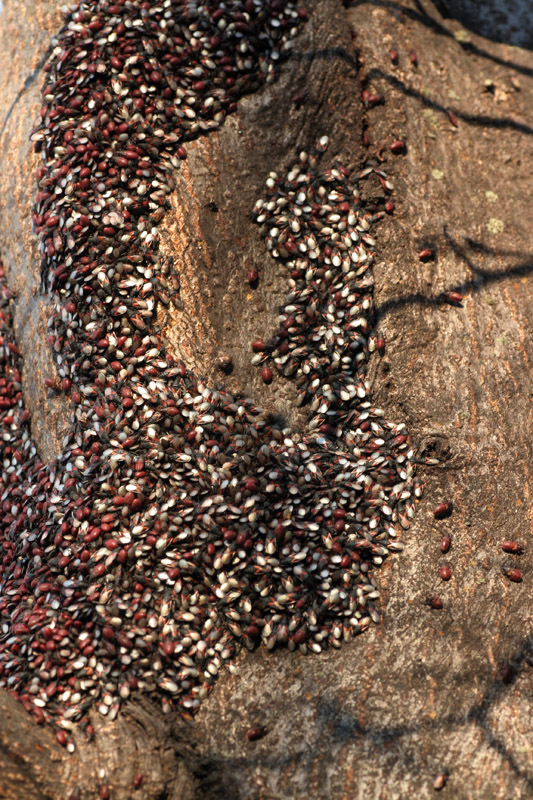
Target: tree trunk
x=429, y=694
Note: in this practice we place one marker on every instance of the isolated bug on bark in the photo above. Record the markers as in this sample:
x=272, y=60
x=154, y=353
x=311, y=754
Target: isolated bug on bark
x=443, y=509
x=440, y=781
x=513, y=574
x=455, y=297
x=512, y=547
x=397, y=146
x=507, y=672
x=256, y=732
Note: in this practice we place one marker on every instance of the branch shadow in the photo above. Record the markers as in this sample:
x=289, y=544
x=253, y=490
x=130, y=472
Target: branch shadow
x=499, y=123
x=335, y=724
x=506, y=23
x=326, y=54
x=30, y=80
x=421, y=16
x=346, y=727
x=482, y=277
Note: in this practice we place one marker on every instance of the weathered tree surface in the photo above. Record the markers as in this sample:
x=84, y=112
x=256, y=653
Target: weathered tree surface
x=422, y=693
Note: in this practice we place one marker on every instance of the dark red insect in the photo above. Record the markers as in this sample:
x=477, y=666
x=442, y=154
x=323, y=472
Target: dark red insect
x=413, y=58
x=434, y=602
x=426, y=254
x=513, y=547
x=253, y=632
x=513, y=574
x=374, y=100
x=252, y=276
x=442, y=509
x=397, y=146
x=507, y=672
x=300, y=636
x=440, y=781
x=445, y=544
x=371, y=99
x=266, y=374
x=453, y=119
x=445, y=572
x=389, y=206
x=258, y=345
x=61, y=736
x=455, y=297
x=256, y=732
x=393, y=55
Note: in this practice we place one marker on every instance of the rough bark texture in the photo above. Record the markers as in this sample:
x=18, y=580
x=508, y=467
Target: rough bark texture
x=423, y=692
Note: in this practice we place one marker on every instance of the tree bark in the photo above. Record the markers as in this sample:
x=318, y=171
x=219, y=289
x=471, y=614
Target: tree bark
x=427, y=692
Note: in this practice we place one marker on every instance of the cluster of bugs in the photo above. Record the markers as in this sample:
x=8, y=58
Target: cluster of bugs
x=177, y=522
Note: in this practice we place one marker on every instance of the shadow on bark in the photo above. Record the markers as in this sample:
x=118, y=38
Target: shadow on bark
x=482, y=277
x=478, y=120
x=421, y=16
x=334, y=723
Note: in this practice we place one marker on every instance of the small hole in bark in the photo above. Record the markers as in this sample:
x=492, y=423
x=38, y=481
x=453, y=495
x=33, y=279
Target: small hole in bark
x=225, y=364
x=277, y=420
x=436, y=448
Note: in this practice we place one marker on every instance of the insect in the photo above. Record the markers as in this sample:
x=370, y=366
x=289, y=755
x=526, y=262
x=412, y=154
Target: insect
x=443, y=509
x=179, y=522
x=513, y=574
x=512, y=547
